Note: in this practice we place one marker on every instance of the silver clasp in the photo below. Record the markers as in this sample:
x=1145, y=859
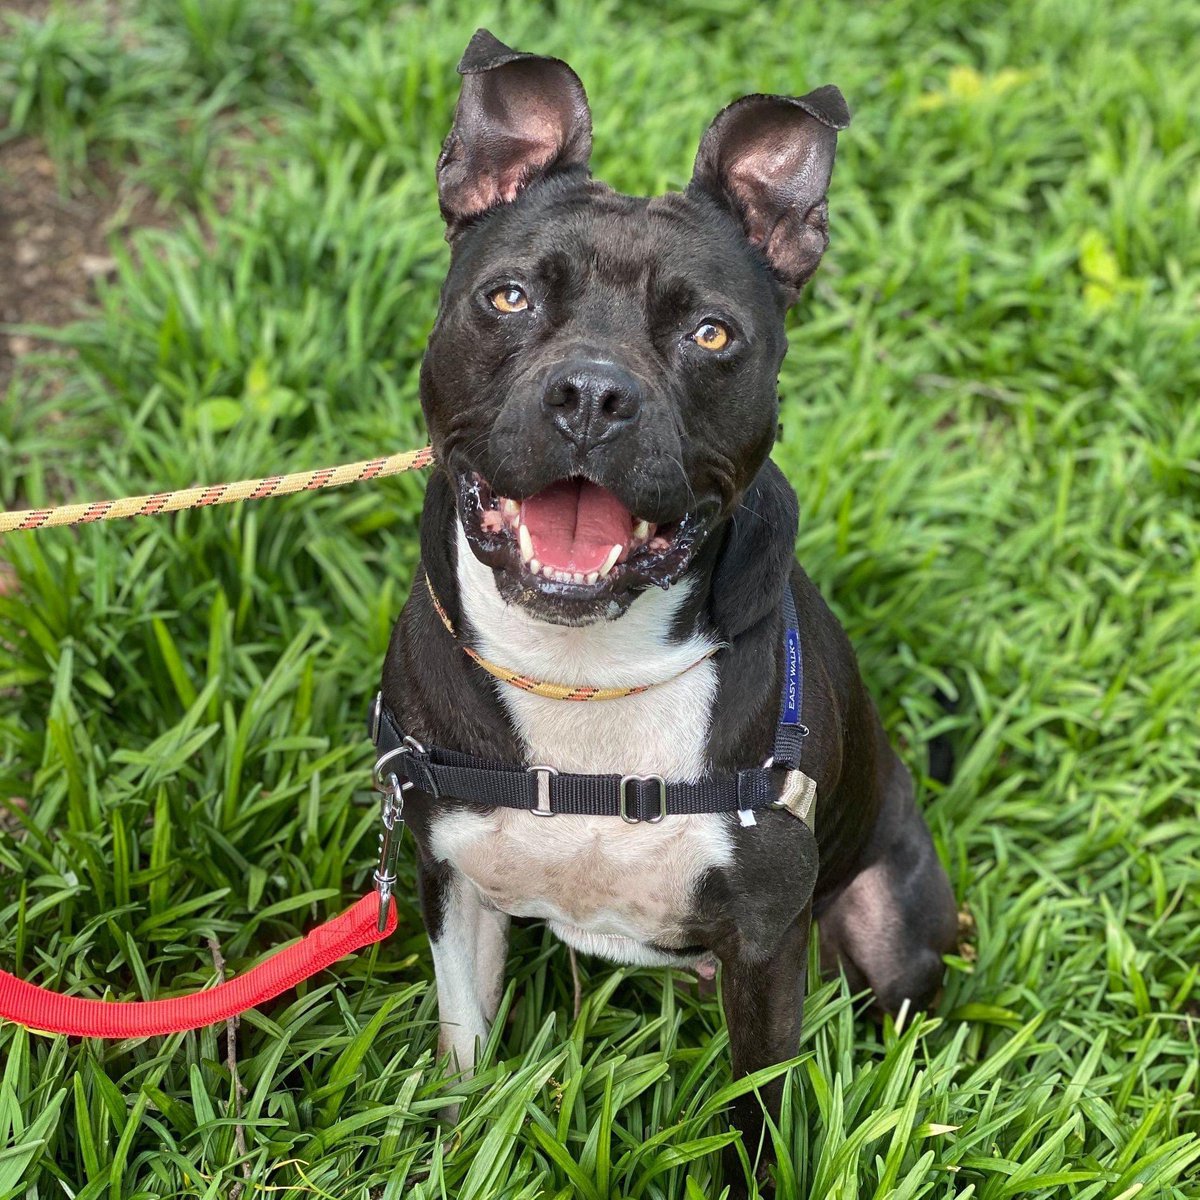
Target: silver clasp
x=391, y=813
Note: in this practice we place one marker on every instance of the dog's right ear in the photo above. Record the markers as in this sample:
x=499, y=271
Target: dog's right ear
x=769, y=160
x=520, y=117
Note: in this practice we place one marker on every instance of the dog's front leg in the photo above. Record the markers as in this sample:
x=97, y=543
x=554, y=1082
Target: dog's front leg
x=470, y=943
x=762, y=993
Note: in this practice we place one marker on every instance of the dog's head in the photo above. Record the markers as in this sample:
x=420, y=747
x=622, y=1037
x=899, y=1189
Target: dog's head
x=601, y=380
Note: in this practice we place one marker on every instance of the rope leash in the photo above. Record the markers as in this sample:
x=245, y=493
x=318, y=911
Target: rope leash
x=221, y=493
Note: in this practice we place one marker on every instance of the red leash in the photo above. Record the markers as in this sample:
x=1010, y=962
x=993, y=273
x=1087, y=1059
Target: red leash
x=370, y=920
x=40, y=1008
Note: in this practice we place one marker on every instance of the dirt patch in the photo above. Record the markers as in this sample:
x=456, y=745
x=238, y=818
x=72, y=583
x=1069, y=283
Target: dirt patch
x=53, y=246
x=54, y=234
x=35, y=9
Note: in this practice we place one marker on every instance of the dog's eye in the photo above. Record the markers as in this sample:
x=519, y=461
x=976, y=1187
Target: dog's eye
x=711, y=335
x=509, y=299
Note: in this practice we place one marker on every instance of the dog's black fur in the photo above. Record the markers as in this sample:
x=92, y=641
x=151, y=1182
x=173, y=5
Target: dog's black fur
x=619, y=279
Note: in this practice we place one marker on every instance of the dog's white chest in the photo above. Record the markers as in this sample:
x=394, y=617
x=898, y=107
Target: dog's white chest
x=605, y=886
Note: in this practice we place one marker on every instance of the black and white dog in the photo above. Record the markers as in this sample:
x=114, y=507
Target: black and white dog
x=600, y=388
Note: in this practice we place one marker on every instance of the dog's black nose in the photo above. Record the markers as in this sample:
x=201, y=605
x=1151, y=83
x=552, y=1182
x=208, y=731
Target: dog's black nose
x=590, y=401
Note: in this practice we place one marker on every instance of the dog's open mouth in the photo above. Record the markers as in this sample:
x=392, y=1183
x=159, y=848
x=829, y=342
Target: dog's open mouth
x=574, y=538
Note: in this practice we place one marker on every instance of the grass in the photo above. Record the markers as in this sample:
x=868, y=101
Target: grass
x=991, y=421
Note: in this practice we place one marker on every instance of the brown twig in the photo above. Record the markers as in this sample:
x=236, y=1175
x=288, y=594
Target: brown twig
x=576, y=981
x=231, y=1024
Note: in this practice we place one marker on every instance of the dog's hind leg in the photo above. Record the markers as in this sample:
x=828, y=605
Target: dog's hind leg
x=469, y=940
x=890, y=925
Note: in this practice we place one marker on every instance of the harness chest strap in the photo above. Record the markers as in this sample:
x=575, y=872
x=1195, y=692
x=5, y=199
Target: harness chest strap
x=546, y=792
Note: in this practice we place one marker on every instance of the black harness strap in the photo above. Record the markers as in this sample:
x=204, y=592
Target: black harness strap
x=547, y=792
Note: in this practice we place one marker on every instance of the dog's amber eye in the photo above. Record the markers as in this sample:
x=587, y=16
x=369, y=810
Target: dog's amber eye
x=509, y=299
x=711, y=335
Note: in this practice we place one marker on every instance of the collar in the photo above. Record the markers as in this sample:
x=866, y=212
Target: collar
x=405, y=763
x=542, y=687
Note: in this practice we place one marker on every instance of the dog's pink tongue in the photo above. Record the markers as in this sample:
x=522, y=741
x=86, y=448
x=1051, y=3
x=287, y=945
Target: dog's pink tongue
x=574, y=525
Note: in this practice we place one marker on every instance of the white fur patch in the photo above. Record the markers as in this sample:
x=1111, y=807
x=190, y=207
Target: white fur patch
x=461, y=957
x=605, y=886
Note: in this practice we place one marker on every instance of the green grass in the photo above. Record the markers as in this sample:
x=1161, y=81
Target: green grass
x=990, y=418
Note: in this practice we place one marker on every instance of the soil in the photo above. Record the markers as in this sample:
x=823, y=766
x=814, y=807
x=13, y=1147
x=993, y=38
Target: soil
x=54, y=244
x=54, y=232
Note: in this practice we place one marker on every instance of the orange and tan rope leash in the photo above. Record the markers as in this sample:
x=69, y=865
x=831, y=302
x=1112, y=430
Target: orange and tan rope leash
x=221, y=493
x=540, y=687
x=286, y=485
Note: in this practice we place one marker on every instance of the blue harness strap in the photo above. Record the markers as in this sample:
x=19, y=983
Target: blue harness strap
x=791, y=731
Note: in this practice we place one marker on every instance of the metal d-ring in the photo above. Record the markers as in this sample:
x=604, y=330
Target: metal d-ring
x=411, y=746
x=382, y=761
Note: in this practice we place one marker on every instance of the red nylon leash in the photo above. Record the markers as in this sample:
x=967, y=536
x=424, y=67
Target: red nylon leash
x=40, y=1008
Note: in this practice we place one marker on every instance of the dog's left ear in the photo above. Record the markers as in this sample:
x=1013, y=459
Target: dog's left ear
x=519, y=118
x=769, y=159
x=757, y=554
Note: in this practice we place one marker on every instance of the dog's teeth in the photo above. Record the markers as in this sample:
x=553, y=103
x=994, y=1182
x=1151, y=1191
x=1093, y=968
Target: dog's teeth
x=611, y=560
x=591, y=577
x=535, y=566
x=577, y=577
x=510, y=508
x=641, y=530
x=526, y=544
x=548, y=571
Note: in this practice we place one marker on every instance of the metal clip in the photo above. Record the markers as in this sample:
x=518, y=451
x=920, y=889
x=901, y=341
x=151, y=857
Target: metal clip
x=391, y=811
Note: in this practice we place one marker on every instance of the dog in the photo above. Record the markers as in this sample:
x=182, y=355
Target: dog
x=605, y=524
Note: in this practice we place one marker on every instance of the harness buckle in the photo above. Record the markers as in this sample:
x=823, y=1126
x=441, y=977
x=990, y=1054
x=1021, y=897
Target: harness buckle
x=798, y=796
x=626, y=780
x=543, y=774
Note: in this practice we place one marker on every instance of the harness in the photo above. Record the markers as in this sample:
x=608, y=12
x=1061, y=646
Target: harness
x=404, y=763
